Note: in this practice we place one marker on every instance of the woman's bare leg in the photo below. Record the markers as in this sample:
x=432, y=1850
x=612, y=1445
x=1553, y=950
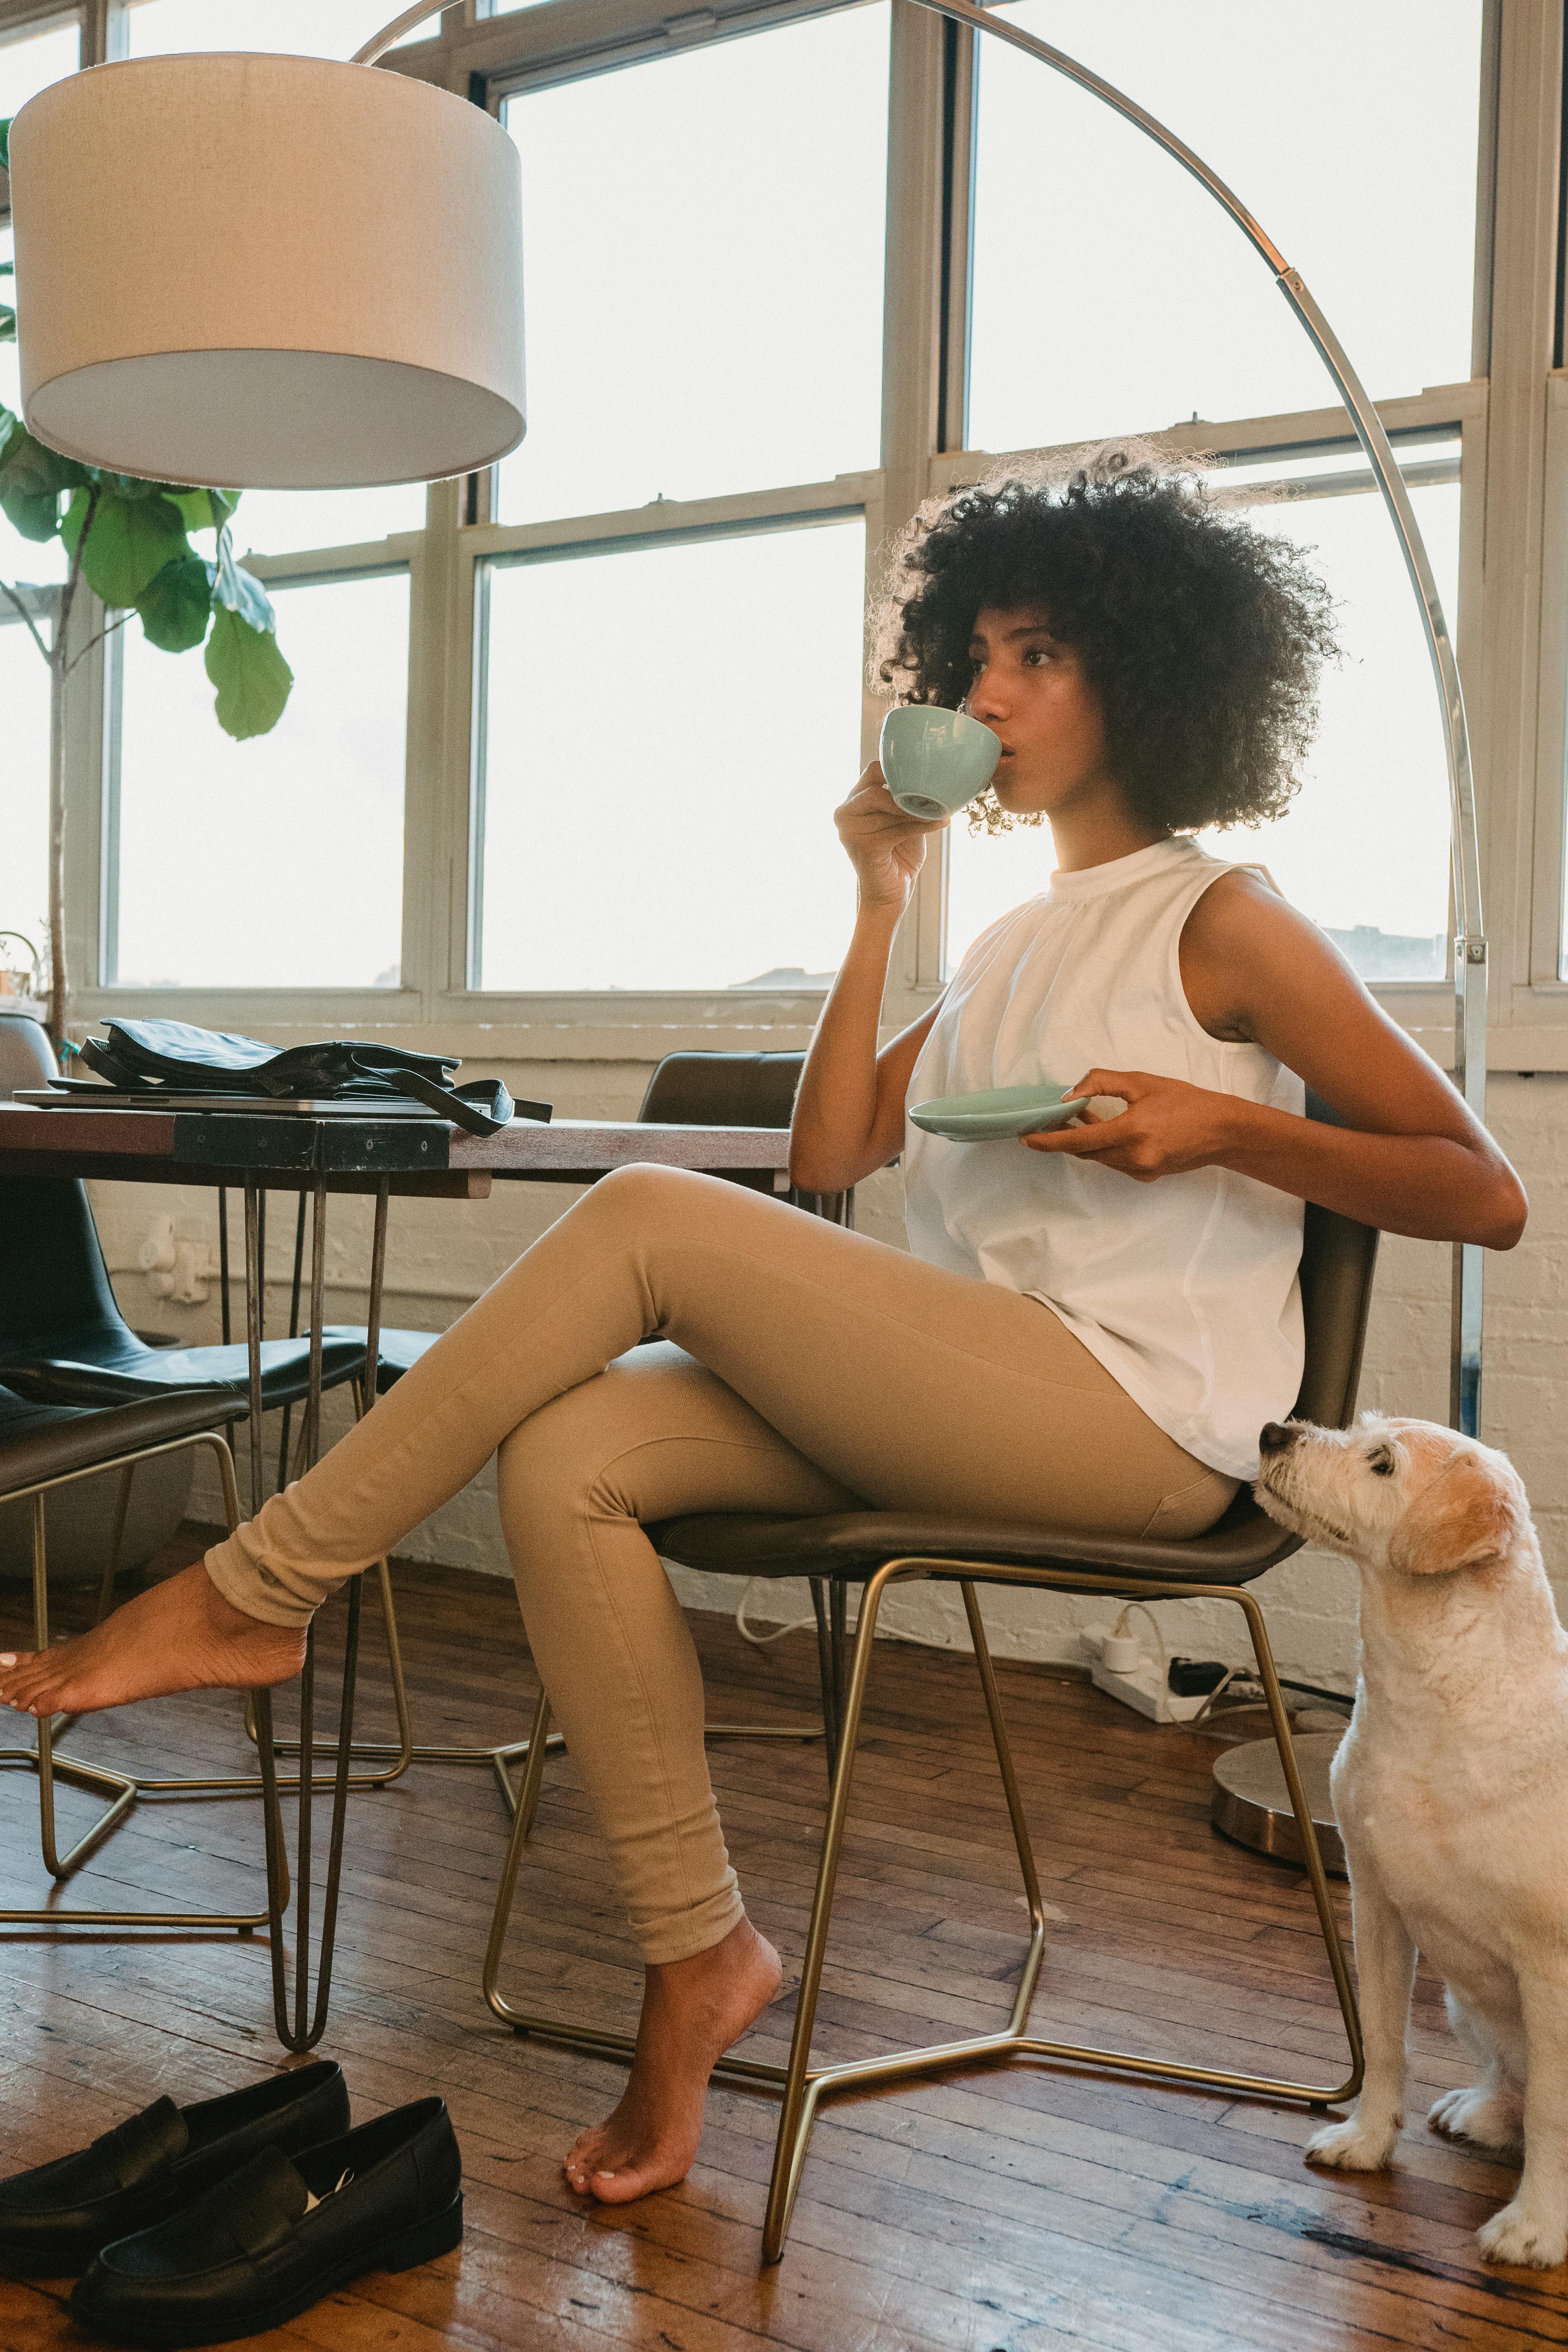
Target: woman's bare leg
x=693, y=2011
x=181, y=1635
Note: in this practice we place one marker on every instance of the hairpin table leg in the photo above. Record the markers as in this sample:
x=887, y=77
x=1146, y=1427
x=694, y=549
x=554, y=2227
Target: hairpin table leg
x=304, y=2029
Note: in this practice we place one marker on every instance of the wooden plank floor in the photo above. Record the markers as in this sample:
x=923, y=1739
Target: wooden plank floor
x=992, y=2211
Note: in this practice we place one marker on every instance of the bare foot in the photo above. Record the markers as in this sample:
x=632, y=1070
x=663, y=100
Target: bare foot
x=691, y=2012
x=176, y=1636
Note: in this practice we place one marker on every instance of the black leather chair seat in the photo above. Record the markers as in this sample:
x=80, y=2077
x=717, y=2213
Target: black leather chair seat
x=397, y=1350
x=40, y=1441
x=853, y=1544
x=104, y=1365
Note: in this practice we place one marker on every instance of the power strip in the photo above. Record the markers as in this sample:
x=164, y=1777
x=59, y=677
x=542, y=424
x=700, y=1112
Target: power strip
x=1144, y=1688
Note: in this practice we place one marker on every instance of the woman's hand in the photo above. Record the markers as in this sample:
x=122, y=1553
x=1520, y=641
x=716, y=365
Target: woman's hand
x=885, y=844
x=1168, y=1127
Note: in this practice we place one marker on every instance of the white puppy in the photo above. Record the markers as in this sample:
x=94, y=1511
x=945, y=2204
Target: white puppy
x=1451, y=1789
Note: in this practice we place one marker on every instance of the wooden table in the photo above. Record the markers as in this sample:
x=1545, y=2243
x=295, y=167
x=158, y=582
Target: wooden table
x=414, y=1156
x=255, y=1152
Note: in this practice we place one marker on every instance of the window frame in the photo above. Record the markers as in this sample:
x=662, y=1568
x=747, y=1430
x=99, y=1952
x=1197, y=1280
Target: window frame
x=1511, y=629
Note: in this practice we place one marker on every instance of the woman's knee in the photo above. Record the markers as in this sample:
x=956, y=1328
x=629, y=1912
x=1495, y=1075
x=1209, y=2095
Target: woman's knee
x=557, y=1450
x=643, y=1193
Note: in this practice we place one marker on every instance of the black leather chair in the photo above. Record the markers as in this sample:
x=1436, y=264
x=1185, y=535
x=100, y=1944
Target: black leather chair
x=63, y=1339
x=875, y=1550
x=63, y=1342
x=46, y=1446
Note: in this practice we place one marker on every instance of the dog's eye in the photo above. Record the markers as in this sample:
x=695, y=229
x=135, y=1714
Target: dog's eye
x=1381, y=1463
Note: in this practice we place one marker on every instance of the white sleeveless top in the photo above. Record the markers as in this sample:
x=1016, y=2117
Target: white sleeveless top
x=1185, y=1289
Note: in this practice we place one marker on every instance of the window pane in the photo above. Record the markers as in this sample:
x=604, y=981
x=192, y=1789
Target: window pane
x=23, y=788
x=31, y=59
x=276, y=863
x=40, y=561
x=282, y=522
x=670, y=729
x=1112, y=295
x=703, y=270
x=1364, y=847
x=302, y=28
x=29, y=62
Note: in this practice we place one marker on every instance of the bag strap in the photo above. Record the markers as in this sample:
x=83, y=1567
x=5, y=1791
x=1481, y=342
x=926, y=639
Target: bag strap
x=481, y=1107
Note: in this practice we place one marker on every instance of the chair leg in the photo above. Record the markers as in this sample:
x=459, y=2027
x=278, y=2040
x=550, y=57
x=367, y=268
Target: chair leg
x=117, y=1539
x=804, y=2086
x=401, y=1751
x=123, y=1789
x=827, y=1671
x=1323, y=1901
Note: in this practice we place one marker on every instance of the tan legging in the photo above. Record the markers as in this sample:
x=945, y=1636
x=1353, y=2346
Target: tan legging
x=814, y=1370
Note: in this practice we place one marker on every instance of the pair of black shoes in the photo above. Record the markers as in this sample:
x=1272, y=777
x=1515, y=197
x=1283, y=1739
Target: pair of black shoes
x=193, y=2225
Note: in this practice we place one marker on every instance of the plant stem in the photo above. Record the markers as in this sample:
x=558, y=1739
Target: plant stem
x=6, y=590
x=107, y=631
x=59, y=669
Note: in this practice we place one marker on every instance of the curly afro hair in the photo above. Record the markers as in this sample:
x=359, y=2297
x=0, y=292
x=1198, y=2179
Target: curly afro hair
x=1203, y=638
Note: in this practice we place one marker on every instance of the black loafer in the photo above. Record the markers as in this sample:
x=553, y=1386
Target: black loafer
x=266, y=2244
x=53, y=2218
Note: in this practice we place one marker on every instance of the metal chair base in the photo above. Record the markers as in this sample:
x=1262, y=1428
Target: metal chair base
x=123, y=1789
x=804, y=2086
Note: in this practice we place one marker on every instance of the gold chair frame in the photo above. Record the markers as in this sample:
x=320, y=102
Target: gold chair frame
x=123, y=1789
x=804, y=2086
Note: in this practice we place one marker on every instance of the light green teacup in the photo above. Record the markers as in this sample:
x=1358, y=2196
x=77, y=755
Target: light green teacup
x=936, y=761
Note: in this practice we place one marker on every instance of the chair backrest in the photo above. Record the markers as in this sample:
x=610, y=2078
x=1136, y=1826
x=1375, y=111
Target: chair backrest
x=27, y=1058
x=724, y=1089
x=1339, y=1258
x=53, y=1280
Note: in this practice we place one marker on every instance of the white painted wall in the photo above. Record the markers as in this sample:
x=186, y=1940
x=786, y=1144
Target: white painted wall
x=442, y=1253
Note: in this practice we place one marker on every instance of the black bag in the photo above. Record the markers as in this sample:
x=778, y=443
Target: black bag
x=147, y=1056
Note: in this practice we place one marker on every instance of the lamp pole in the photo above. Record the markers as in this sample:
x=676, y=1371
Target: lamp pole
x=1469, y=935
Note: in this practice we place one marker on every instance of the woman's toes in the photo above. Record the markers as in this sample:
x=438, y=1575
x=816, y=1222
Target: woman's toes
x=583, y=2157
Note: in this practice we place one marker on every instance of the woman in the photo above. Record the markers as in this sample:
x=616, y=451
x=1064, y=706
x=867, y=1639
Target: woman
x=1061, y=1347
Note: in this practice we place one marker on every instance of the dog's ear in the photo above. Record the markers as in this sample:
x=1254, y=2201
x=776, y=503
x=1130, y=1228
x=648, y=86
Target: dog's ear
x=1465, y=1518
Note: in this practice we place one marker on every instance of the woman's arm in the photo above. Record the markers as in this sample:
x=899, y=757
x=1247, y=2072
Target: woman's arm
x=1412, y=1160
x=850, y=1111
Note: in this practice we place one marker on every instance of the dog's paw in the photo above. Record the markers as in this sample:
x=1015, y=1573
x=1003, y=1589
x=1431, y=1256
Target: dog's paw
x=1360, y=2145
x=1520, y=2233
x=1485, y=2118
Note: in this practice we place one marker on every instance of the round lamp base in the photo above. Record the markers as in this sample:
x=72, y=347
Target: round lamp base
x=1252, y=1804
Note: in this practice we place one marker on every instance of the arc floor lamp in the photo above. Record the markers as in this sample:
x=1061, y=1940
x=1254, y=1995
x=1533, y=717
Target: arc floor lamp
x=349, y=309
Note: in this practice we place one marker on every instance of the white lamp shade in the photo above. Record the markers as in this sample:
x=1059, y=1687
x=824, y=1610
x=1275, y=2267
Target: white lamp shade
x=268, y=273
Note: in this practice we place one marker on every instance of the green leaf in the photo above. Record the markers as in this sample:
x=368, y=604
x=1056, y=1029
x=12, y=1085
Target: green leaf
x=252, y=678
x=28, y=499
x=7, y=269
x=5, y=123
x=35, y=518
x=129, y=541
x=176, y=604
x=30, y=469
x=206, y=509
x=71, y=522
x=7, y=324
x=239, y=590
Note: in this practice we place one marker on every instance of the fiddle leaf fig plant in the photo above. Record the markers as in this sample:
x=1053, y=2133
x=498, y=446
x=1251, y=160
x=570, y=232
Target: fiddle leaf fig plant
x=131, y=542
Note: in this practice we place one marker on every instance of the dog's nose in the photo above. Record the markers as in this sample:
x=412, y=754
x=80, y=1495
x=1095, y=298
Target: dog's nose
x=1274, y=1437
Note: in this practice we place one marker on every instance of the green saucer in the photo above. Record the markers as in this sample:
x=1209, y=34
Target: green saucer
x=990, y=1117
